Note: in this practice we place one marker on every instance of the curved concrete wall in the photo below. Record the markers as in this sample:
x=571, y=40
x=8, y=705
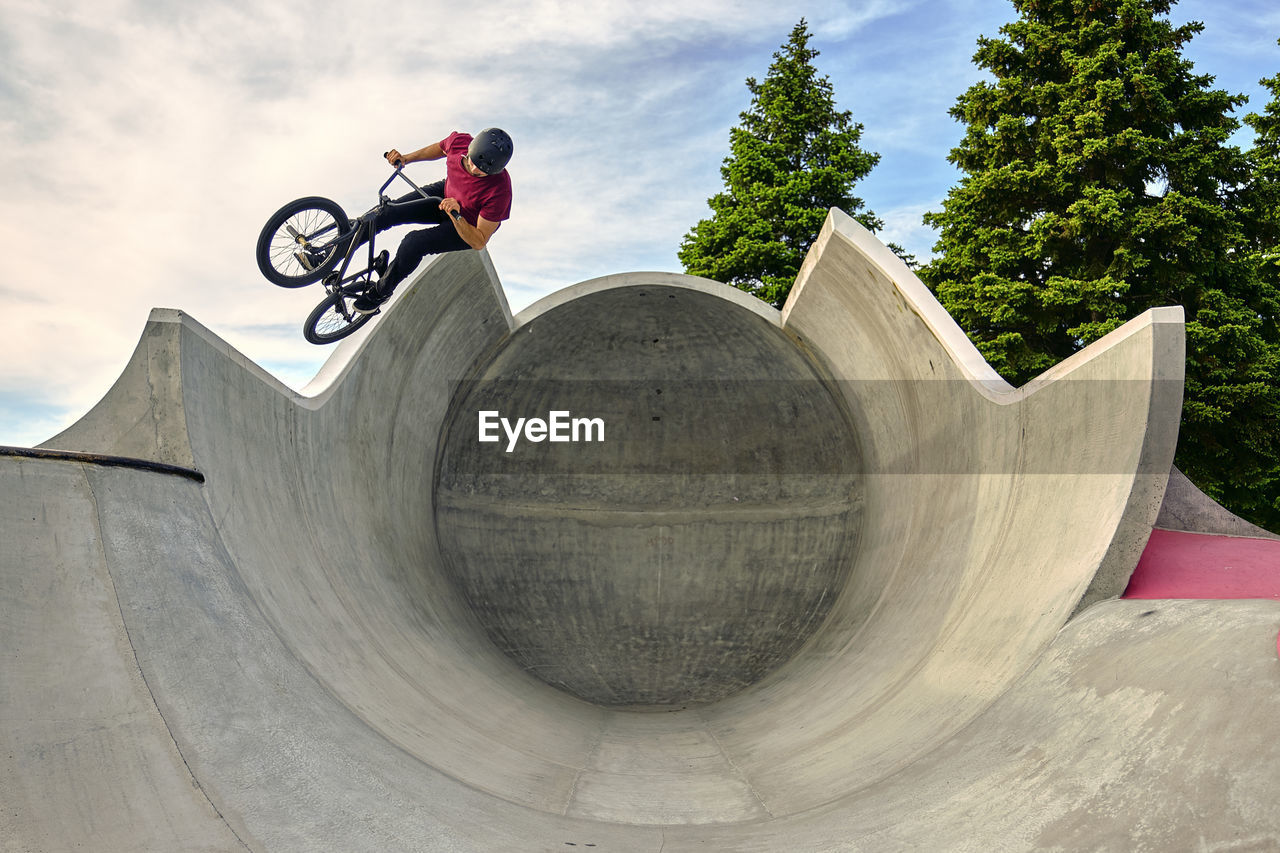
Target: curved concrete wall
x=700, y=535
x=1187, y=508
x=288, y=630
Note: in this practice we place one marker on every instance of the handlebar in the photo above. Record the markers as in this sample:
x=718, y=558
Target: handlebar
x=400, y=164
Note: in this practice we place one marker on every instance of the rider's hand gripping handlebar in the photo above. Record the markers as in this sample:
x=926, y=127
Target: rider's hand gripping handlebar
x=399, y=164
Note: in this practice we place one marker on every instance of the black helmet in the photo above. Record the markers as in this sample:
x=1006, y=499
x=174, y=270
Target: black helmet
x=490, y=150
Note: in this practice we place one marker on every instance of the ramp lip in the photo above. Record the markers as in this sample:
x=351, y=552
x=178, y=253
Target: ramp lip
x=102, y=459
x=946, y=331
x=652, y=278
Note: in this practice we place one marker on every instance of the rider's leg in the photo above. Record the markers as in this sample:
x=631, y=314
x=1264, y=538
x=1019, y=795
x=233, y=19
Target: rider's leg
x=413, y=209
x=415, y=246
x=410, y=209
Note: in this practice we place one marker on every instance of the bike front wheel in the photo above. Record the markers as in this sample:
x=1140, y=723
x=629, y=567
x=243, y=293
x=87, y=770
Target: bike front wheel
x=299, y=243
x=333, y=319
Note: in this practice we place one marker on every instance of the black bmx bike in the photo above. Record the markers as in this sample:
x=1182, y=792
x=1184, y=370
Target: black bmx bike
x=311, y=239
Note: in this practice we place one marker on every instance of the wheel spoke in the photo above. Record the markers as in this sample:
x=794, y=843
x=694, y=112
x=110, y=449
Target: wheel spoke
x=334, y=319
x=310, y=225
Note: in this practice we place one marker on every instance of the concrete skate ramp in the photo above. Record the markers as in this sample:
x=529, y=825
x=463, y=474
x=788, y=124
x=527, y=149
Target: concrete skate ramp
x=358, y=633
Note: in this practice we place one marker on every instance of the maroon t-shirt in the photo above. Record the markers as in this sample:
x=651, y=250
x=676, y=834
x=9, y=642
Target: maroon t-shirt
x=489, y=196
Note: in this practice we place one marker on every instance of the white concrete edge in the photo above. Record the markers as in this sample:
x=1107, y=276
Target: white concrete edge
x=160, y=316
x=654, y=279
x=173, y=322
x=1265, y=536
x=842, y=226
x=346, y=351
x=985, y=379
x=1171, y=315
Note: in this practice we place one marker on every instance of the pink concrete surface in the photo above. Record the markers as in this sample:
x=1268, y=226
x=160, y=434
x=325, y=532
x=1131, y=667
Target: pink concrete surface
x=1200, y=565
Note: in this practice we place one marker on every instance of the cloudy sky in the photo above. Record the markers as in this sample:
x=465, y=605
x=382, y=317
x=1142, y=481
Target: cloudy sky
x=144, y=142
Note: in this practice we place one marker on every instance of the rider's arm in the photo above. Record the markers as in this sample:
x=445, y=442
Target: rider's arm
x=431, y=152
x=477, y=236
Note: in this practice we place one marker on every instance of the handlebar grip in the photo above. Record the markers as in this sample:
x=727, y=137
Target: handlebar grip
x=398, y=162
x=455, y=214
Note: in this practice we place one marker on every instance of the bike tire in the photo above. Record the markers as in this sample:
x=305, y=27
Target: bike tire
x=313, y=218
x=327, y=323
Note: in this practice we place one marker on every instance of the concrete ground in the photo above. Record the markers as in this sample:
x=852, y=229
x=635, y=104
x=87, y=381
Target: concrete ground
x=828, y=583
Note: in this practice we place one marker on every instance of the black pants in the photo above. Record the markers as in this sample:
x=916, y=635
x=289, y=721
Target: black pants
x=413, y=209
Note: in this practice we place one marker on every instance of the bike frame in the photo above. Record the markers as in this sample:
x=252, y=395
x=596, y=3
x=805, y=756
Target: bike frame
x=339, y=280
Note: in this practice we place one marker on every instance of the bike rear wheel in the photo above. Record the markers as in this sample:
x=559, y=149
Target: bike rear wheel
x=333, y=319
x=297, y=246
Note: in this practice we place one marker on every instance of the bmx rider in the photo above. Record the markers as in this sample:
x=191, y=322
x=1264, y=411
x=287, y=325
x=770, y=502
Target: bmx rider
x=477, y=199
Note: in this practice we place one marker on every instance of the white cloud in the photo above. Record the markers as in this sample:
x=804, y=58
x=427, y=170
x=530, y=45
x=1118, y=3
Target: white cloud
x=839, y=20
x=143, y=143
x=905, y=227
x=143, y=146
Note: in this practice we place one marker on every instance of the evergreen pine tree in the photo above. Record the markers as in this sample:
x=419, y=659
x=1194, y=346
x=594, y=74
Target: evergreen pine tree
x=1258, y=495
x=793, y=157
x=1099, y=182
x=1264, y=158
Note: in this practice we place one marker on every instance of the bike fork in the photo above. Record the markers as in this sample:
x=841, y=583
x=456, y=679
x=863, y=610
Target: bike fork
x=341, y=275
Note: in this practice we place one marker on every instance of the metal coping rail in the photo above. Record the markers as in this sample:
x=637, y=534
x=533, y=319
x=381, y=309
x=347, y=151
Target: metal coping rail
x=102, y=459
